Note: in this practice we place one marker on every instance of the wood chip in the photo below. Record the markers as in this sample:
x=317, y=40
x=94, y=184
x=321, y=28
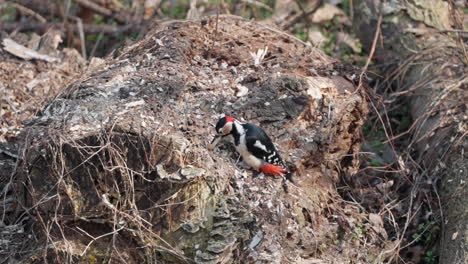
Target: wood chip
x=25, y=53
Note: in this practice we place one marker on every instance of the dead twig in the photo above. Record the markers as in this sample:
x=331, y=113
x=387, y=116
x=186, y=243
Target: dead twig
x=95, y=238
x=79, y=25
x=87, y=28
x=95, y=7
x=410, y=128
x=30, y=12
x=25, y=53
x=104, y=11
x=306, y=17
x=96, y=45
x=217, y=18
x=372, y=51
x=303, y=14
x=258, y=4
x=454, y=31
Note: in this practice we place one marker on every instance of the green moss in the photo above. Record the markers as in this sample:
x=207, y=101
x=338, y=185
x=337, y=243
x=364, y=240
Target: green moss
x=344, y=5
x=91, y=37
x=429, y=258
x=94, y=255
x=301, y=34
x=98, y=19
x=256, y=11
x=175, y=9
x=375, y=163
x=90, y=259
x=8, y=13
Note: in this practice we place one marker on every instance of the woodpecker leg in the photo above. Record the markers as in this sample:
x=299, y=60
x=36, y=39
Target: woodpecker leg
x=272, y=169
x=244, y=165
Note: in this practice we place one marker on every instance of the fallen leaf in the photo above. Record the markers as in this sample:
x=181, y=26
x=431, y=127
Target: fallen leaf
x=317, y=38
x=25, y=53
x=242, y=90
x=326, y=13
x=377, y=224
x=349, y=41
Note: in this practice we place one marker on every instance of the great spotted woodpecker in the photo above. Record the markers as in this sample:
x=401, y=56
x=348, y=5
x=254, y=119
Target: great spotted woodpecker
x=253, y=144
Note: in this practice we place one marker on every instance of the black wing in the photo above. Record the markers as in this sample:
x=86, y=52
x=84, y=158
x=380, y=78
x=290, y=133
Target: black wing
x=264, y=149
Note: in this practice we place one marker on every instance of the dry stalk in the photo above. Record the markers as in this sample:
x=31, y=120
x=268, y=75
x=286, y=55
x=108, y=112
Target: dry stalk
x=109, y=150
x=30, y=12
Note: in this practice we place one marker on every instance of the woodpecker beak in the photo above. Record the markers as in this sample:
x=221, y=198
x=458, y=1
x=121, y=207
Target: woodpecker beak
x=215, y=142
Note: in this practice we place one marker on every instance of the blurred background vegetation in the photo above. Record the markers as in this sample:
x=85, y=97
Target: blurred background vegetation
x=109, y=24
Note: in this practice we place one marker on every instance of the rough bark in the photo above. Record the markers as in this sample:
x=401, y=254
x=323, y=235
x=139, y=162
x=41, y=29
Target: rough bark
x=116, y=167
x=432, y=67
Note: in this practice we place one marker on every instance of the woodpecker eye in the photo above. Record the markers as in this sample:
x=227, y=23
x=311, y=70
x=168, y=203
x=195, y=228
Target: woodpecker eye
x=224, y=126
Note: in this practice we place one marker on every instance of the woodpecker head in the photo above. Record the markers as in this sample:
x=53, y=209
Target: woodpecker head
x=223, y=128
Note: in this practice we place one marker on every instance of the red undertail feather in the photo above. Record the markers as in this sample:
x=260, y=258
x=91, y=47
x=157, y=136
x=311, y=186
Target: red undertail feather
x=272, y=169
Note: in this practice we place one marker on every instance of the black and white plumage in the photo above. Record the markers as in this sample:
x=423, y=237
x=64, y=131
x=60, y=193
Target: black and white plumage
x=252, y=143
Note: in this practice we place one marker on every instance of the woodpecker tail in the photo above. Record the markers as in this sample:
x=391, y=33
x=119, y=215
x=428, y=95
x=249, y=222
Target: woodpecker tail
x=273, y=169
x=276, y=170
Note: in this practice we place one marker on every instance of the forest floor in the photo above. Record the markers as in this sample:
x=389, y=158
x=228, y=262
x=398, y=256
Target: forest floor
x=410, y=217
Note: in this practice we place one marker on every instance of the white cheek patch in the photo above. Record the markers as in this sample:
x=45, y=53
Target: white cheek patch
x=227, y=128
x=259, y=145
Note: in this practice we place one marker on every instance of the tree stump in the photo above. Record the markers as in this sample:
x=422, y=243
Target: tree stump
x=430, y=61
x=116, y=167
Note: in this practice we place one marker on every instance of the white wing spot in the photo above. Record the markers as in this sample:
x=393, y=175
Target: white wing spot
x=259, y=145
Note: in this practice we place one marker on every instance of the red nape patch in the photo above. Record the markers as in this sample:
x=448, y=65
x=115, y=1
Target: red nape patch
x=229, y=118
x=272, y=169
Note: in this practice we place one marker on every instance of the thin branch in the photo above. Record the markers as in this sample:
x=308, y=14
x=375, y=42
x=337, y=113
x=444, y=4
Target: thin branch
x=104, y=11
x=374, y=44
x=96, y=238
x=258, y=4
x=30, y=12
x=95, y=7
x=297, y=18
x=96, y=45
x=87, y=28
x=454, y=30
x=306, y=17
x=79, y=25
